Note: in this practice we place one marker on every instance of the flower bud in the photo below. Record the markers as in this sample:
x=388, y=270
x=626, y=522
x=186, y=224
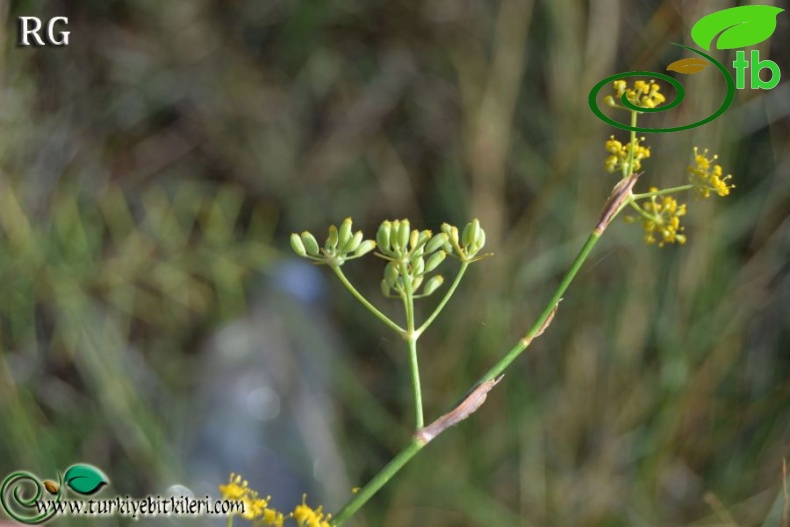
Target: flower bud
x=332, y=239
x=418, y=267
x=297, y=245
x=394, y=236
x=310, y=243
x=436, y=242
x=481, y=239
x=391, y=274
x=365, y=247
x=471, y=232
x=433, y=284
x=353, y=243
x=344, y=236
x=383, y=237
x=414, y=238
x=466, y=237
x=419, y=240
x=385, y=289
x=452, y=233
x=404, y=231
x=434, y=261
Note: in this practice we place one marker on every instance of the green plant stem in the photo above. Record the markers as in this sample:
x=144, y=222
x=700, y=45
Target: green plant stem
x=663, y=192
x=640, y=210
x=385, y=474
x=378, y=481
x=411, y=339
x=378, y=314
x=629, y=166
x=633, y=144
x=522, y=344
x=230, y=521
x=415, y=382
x=450, y=291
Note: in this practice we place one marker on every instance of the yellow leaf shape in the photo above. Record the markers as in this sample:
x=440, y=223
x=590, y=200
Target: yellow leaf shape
x=688, y=66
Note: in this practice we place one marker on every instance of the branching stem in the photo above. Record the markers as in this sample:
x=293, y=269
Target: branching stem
x=405, y=455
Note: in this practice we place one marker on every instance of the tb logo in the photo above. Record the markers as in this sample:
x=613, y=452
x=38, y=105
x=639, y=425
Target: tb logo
x=733, y=28
x=30, y=31
x=741, y=65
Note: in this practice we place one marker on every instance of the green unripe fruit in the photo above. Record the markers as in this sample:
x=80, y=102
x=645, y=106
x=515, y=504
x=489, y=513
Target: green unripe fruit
x=433, y=284
x=419, y=267
x=404, y=231
x=332, y=239
x=344, y=236
x=353, y=243
x=365, y=247
x=297, y=245
x=437, y=242
x=383, y=237
x=385, y=289
x=391, y=274
x=434, y=261
x=310, y=244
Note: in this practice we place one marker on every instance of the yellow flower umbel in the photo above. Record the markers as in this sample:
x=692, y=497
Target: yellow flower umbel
x=259, y=513
x=645, y=94
x=661, y=220
x=255, y=509
x=659, y=212
x=706, y=177
x=619, y=154
x=306, y=516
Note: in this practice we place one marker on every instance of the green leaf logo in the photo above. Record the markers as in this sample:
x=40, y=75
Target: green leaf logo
x=739, y=26
x=84, y=479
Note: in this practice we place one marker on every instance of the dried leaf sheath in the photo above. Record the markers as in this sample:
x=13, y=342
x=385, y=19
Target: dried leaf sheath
x=465, y=408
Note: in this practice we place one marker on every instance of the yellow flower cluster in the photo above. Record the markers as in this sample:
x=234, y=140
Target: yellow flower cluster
x=644, y=94
x=257, y=510
x=706, y=177
x=308, y=517
x=661, y=220
x=620, y=153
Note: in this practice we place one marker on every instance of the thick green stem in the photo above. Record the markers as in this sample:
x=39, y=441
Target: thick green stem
x=416, y=445
x=378, y=314
x=378, y=481
x=450, y=291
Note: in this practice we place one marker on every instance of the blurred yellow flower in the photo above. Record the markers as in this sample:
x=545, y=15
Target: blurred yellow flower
x=706, y=177
x=619, y=154
x=255, y=508
x=645, y=94
x=306, y=516
x=661, y=220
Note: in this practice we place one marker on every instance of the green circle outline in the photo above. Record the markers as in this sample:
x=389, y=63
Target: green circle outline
x=680, y=95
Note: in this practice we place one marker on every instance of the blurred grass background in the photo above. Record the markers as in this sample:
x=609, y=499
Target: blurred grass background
x=151, y=171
